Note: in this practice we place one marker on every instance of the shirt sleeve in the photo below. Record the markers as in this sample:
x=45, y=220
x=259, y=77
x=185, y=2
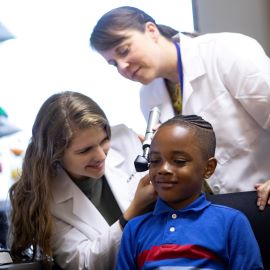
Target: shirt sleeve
x=243, y=249
x=126, y=257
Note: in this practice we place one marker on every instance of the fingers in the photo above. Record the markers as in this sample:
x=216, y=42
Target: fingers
x=156, y=127
x=257, y=186
x=145, y=180
x=263, y=193
x=141, y=137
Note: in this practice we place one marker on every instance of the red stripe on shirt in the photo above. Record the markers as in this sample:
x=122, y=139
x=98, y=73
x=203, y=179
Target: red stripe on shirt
x=173, y=251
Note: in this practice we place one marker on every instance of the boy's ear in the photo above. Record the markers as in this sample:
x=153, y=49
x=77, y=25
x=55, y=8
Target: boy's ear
x=210, y=167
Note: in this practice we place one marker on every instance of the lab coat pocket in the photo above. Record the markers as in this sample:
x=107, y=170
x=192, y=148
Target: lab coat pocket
x=235, y=129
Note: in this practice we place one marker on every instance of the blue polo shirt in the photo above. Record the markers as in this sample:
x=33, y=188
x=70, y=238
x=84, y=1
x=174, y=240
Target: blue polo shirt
x=199, y=236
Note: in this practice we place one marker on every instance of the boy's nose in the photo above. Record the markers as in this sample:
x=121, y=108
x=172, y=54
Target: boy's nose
x=165, y=168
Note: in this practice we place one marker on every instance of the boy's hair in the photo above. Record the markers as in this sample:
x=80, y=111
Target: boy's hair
x=106, y=34
x=202, y=129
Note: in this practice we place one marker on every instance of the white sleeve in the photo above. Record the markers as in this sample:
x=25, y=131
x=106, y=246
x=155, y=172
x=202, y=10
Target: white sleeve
x=246, y=74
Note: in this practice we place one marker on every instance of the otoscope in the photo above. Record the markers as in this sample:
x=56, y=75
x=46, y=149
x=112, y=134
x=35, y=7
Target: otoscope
x=141, y=162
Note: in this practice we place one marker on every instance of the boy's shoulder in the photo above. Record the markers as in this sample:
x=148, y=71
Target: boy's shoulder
x=142, y=218
x=141, y=221
x=226, y=211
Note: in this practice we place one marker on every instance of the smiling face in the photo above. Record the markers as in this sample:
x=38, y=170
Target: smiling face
x=85, y=157
x=177, y=165
x=138, y=57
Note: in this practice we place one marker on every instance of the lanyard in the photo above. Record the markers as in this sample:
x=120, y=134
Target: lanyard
x=179, y=68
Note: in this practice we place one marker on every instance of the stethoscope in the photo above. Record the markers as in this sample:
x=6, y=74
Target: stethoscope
x=179, y=68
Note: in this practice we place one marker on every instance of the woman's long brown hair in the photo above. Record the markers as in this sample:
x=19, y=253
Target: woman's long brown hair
x=31, y=219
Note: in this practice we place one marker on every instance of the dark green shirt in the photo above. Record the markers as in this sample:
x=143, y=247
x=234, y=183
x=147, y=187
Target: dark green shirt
x=100, y=194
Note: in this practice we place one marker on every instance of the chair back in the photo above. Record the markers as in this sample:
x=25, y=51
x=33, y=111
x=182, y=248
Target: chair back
x=3, y=229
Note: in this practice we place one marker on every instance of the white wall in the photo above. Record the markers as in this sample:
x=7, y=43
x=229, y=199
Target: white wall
x=250, y=17
x=51, y=53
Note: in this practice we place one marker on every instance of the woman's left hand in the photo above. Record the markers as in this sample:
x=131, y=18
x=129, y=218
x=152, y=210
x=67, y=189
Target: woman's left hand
x=263, y=193
x=144, y=198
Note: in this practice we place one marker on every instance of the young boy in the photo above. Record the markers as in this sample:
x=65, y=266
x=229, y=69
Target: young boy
x=185, y=231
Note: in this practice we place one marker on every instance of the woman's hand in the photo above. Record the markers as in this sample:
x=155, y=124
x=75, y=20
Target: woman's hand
x=263, y=193
x=142, y=137
x=144, y=198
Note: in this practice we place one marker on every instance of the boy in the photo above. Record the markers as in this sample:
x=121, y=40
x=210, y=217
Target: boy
x=185, y=231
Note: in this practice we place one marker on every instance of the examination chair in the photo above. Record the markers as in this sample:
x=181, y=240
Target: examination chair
x=259, y=220
x=22, y=266
x=27, y=266
x=3, y=250
x=3, y=229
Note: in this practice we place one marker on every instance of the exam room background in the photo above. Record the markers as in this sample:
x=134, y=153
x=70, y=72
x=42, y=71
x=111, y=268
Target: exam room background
x=51, y=50
x=51, y=53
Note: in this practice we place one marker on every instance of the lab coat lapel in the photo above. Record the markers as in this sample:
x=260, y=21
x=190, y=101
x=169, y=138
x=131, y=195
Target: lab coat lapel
x=86, y=211
x=193, y=67
x=117, y=176
x=115, y=180
x=66, y=194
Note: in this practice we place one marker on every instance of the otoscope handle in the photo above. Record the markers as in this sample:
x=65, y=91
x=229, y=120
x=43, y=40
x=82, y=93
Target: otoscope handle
x=153, y=120
x=141, y=162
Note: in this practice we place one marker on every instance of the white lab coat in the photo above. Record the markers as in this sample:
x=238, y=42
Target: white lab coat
x=82, y=238
x=227, y=82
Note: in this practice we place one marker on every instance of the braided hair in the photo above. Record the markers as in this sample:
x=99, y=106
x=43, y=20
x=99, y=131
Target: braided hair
x=203, y=131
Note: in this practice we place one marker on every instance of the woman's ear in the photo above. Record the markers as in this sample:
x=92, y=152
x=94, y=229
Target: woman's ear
x=210, y=167
x=152, y=30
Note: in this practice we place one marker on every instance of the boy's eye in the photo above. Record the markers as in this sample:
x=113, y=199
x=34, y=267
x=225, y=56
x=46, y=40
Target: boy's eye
x=180, y=161
x=153, y=161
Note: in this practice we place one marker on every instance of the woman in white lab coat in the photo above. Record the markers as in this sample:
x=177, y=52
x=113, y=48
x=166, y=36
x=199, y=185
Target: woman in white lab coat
x=225, y=78
x=75, y=186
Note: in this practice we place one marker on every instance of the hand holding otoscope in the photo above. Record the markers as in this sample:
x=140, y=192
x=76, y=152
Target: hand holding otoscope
x=141, y=162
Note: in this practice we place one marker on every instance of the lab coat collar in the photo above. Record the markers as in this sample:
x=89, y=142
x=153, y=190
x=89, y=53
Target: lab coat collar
x=156, y=94
x=63, y=186
x=193, y=67
x=64, y=189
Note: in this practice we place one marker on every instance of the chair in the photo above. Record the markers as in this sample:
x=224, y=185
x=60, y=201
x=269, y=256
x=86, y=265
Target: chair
x=3, y=229
x=22, y=266
x=3, y=246
x=259, y=220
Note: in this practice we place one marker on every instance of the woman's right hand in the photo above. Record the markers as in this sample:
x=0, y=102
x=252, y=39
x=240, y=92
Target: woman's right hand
x=144, y=198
